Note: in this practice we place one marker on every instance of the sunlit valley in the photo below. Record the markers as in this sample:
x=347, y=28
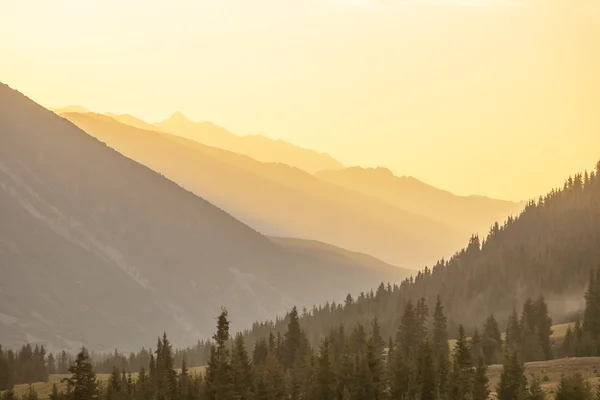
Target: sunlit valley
x=269, y=200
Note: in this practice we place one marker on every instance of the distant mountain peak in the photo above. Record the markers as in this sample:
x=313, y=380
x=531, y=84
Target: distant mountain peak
x=178, y=117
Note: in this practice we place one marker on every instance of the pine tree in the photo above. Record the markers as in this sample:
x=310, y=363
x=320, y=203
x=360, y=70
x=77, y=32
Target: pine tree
x=114, y=389
x=399, y=376
x=51, y=364
x=513, y=331
x=440, y=331
x=475, y=345
x=294, y=341
x=513, y=383
x=82, y=385
x=407, y=337
x=219, y=374
x=535, y=390
x=144, y=387
x=344, y=373
x=325, y=374
x=242, y=370
x=491, y=342
x=54, y=395
x=376, y=372
x=31, y=394
x=443, y=377
x=376, y=335
x=166, y=388
x=461, y=375
x=481, y=389
x=426, y=373
x=183, y=384
x=573, y=387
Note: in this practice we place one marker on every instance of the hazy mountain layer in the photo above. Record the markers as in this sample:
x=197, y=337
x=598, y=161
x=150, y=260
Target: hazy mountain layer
x=473, y=213
x=97, y=249
x=280, y=200
x=258, y=147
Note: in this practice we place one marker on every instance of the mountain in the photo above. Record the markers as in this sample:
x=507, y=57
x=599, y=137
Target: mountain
x=549, y=249
x=60, y=110
x=473, y=213
x=132, y=121
x=279, y=200
x=334, y=253
x=255, y=146
x=98, y=250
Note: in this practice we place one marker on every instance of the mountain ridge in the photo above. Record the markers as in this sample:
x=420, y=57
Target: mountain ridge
x=280, y=200
x=99, y=250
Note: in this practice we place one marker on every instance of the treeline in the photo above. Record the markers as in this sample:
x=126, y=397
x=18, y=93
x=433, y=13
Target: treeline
x=358, y=364
x=548, y=249
x=583, y=340
x=29, y=364
x=195, y=356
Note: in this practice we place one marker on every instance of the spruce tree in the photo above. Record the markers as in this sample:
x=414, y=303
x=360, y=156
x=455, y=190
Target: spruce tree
x=440, y=331
x=573, y=387
x=461, y=375
x=82, y=385
x=31, y=394
x=399, y=375
x=344, y=373
x=378, y=341
x=219, y=374
x=293, y=341
x=51, y=364
x=54, y=395
x=144, y=387
x=325, y=374
x=513, y=331
x=376, y=372
x=242, y=370
x=426, y=373
x=113, y=388
x=481, y=389
x=491, y=341
x=407, y=338
x=535, y=390
x=513, y=383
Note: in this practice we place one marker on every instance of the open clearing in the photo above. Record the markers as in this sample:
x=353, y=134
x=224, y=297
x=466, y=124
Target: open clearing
x=45, y=388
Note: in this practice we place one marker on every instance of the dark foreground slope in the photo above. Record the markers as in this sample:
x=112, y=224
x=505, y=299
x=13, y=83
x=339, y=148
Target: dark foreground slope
x=548, y=250
x=96, y=249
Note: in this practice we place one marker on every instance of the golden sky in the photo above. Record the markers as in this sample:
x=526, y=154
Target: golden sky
x=494, y=97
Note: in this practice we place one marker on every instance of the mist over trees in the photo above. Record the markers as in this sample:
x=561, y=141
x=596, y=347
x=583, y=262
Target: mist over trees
x=547, y=250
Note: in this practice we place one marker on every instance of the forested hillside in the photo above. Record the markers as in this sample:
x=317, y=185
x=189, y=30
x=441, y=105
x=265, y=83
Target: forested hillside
x=548, y=250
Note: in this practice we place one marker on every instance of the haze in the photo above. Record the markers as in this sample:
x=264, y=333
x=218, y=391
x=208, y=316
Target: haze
x=472, y=97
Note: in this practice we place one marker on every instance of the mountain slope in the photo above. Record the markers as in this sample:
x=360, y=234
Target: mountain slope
x=255, y=146
x=279, y=200
x=548, y=250
x=96, y=249
x=473, y=213
x=132, y=121
x=334, y=253
x=79, y=109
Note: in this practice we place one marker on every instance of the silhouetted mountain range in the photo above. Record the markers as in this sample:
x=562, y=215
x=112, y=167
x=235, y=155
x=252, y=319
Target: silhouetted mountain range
x=280, y=200
x=473, y=213
x=97, y=249
x=258, y=147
